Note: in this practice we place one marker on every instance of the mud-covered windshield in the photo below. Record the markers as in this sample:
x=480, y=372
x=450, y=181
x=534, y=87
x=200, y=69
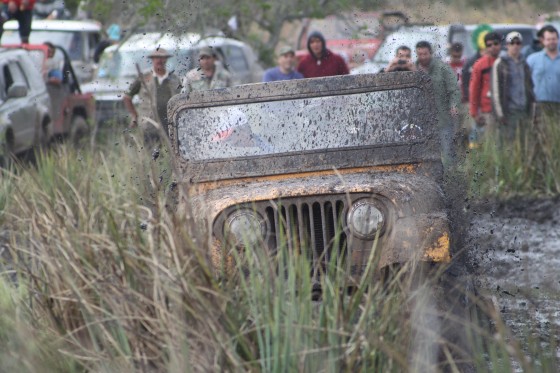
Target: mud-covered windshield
x=264, y=128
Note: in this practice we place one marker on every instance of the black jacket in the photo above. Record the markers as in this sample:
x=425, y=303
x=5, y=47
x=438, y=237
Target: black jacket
x=500, y=84
x=466, y=76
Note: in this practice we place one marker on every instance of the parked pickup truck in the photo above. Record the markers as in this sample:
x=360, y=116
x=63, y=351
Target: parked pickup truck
x=72, y=112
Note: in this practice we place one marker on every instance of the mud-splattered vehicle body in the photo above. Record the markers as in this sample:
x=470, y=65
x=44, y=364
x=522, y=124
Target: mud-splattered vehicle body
x=326, y=166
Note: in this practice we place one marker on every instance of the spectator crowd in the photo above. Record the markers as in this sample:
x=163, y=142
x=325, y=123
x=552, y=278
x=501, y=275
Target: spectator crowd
x=502, y=91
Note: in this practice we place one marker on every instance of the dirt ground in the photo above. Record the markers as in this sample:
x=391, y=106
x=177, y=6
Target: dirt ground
x=515, y=252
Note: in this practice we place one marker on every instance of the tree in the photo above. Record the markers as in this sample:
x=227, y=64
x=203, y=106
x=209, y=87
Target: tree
x=259, y=22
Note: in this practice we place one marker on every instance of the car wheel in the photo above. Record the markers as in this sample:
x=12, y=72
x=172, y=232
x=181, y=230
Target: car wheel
x=79, y=132
x=45, y=134
x=42, y=141
x=6, y=153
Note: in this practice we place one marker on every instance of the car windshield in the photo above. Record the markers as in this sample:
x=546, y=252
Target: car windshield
x=388, y=49
x=353, y=27
x=120, y=64
x=70, y=41
x=117, y=64
x=334, y=122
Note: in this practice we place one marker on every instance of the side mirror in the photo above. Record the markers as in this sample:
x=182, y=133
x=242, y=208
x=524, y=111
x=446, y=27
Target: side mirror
x=17, y=91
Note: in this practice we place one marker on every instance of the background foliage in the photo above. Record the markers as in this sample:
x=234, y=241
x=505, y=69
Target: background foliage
x=262, y=22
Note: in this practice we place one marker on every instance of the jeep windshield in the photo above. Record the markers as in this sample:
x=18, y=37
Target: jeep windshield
x=300, y=125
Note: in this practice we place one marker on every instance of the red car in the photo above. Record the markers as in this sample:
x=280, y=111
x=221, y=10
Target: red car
x=72, y=112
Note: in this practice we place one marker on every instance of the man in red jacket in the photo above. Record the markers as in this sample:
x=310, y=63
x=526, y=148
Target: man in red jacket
x=320, y=61
x=20, y=10
x=479, y=88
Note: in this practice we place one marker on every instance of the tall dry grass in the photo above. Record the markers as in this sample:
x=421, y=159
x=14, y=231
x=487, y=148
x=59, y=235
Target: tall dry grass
x=529, y=165
x=101, y=274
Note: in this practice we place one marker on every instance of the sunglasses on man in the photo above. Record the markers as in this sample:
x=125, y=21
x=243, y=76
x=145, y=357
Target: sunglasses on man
x=515, y=42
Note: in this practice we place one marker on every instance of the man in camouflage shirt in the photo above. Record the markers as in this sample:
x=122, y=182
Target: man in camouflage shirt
x=154, y=89
x=209, y=74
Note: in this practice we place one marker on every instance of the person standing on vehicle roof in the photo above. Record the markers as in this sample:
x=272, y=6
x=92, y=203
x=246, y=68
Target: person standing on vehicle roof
x=512, y=89
x=209, y=75
x=447, y=95
x=154, y=88
x=20, y=10
x=321, y=61
x=480, y=106
x=285, y=69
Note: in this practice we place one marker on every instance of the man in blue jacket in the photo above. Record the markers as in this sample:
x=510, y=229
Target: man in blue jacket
x=285, y=69
x=545, y=71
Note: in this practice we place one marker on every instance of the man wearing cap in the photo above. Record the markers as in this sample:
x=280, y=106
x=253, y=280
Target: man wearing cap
x=285, y=69
x=209, y=75
x=321, y=61
x=511, y=88
x=480, y=105
x=154, y=88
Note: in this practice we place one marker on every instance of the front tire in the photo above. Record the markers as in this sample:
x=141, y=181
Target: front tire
x=79, y=132
x=6, y=153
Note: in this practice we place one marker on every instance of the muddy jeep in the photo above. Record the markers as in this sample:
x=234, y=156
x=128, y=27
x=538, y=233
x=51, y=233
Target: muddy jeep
x=327, y=166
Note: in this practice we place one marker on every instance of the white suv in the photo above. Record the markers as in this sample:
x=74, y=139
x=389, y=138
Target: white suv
x=78, y=38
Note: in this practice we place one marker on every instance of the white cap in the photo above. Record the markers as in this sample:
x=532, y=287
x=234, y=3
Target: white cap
x=513, y=35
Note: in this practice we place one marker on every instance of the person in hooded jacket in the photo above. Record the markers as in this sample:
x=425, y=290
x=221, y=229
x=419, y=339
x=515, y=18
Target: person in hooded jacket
x=321, y=61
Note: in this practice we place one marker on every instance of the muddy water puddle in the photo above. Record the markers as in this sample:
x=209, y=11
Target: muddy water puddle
x=515, y=250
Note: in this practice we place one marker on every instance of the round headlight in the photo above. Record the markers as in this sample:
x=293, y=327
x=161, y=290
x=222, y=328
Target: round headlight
x=245, y=228
x=365, y=219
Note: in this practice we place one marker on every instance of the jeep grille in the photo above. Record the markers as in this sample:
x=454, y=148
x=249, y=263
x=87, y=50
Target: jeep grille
x=314, y=226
